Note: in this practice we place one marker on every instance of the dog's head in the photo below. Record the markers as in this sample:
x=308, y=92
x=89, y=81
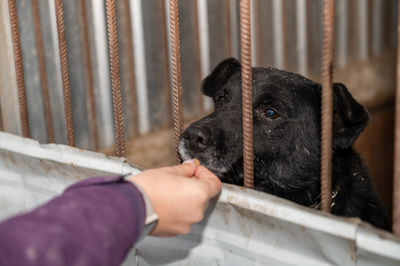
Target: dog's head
x=286, y=127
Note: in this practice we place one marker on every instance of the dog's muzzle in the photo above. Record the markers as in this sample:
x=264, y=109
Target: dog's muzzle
x=195, y=140
x=183, y=152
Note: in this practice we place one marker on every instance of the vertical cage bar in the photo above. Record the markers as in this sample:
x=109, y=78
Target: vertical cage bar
x=396, y=172
x=327, y=102
x=199, y=58
x=64, y=72
x=176, y=71
x=247, y=101
x=126, y=9
x=90, y=96
x=166, y=64
x=19, y=70
x=42, y=71
x=115, y=79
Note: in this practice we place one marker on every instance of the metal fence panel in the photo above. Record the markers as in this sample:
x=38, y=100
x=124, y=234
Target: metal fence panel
x=286, y=34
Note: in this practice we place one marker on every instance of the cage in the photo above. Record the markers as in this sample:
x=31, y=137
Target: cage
x=243, y=227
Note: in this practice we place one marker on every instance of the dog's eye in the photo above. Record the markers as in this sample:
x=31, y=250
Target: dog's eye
x=271, y=114
x=221, y=99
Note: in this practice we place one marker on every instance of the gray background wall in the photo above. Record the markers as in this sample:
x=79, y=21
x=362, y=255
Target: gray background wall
x=286, y=34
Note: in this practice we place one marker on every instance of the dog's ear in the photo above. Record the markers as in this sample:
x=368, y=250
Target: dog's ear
x=349, y=117
x=221, y=74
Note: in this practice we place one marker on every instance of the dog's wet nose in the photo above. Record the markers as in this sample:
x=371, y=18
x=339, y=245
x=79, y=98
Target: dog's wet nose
x=197, y=138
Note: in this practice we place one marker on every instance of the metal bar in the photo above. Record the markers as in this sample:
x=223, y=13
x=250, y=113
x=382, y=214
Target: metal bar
x=247, y=101
x=166, y=64
x=42, y=72
x=64, y=72
x=327, y=102
x=115, y=79
x=176, y=71
x=19, y=70
x=90, y=97
x=131, y=65
x=396, y=172
x=199, y=58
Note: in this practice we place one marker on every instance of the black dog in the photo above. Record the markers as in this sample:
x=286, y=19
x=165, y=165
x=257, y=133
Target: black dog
x=286, y=131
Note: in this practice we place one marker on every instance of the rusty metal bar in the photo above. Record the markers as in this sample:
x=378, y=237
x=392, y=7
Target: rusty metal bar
x=131, y=66
x=166, y=64
x=176, y=71
x=42, y=71
x=90, y=96
x=19, y=70
x=247, y=94
x=64, y=72
x=396, y=172
x=327, y=102
x=199, y=60
x=115, y=79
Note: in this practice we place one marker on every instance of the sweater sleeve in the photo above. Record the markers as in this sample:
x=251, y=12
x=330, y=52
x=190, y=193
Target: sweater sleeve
x=94, y=222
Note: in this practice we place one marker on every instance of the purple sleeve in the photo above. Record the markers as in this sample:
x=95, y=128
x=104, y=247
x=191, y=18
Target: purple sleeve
x=94, y=222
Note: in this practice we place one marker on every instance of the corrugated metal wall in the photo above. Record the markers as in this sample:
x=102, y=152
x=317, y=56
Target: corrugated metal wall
x=286, y=34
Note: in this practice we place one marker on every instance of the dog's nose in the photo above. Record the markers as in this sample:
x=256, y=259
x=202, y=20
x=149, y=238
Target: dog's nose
x=197, y=138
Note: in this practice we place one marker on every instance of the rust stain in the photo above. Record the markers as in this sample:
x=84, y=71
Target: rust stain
x=223, y=209
x=47, y=166
x=10, y=157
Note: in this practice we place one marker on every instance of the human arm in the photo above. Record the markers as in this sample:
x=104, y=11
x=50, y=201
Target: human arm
x=96, y=221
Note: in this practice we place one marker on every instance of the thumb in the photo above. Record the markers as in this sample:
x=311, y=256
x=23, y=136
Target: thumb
x=185, y=169
x=210, y=180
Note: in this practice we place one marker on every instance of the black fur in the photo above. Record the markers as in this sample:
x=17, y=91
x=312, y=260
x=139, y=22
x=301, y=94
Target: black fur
x=286, y=140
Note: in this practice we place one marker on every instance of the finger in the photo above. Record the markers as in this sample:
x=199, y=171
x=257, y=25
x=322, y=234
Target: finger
x=186, y=169
x=211, y=181
x=203, y=172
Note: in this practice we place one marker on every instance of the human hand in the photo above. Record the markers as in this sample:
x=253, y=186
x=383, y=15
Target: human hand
x=179, y=195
